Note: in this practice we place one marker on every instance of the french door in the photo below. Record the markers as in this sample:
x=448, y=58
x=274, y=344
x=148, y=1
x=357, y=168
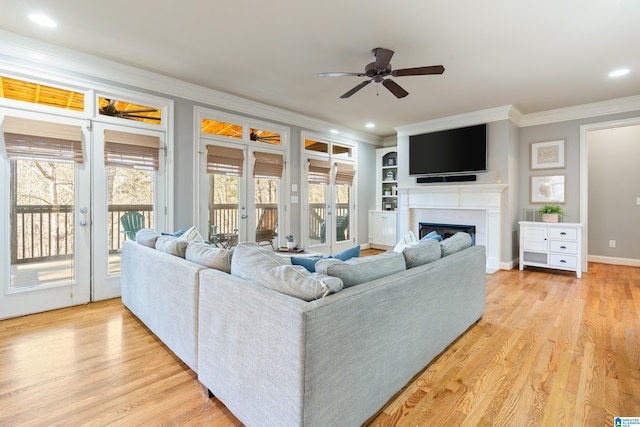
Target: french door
x=242, y=187
x=45, y=216
x=127, y=178
x=65, y=189
x=329, y=215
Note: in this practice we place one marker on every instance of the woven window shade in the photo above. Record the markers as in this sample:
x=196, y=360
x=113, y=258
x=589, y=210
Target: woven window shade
x=37, y=140
x=224, y=160
x=268, y=165
x=130, y=150
x=344, y=174
x=319, y=171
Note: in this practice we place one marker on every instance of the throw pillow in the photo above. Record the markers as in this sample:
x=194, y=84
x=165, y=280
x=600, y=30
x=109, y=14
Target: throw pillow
x=209, y=256
x=274, y=271
x=175, y=233
x=147, y=237
x=310, y=262
x=408, y=240
x=433, y=235
x=455, y=243
x=192, y=234
x=424, y=252
x=361, y=270
x=171, y=245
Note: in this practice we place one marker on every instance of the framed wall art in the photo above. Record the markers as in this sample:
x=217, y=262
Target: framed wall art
x=547, y=189
x=547, y=155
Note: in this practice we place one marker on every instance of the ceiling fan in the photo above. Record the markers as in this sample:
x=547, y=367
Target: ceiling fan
x=111, y=109
x=379, y=69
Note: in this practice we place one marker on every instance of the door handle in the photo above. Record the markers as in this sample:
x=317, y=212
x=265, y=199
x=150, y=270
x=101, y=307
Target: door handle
x=243, y=216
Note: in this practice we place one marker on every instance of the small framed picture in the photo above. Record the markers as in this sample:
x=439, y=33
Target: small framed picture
x=547, y=189
x=547, y=155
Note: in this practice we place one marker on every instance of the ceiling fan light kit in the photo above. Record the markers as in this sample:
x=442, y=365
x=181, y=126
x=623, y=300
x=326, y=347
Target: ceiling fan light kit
x=379, y=69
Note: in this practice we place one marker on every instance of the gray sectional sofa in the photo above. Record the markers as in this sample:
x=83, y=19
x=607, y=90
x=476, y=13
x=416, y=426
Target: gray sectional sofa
x=275, y=359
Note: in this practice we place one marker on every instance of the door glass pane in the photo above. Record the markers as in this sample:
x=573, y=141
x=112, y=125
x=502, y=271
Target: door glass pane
x=223, y=209
x=42, y=223
x=317, y=213
x=266, y=197
x=130, y=207
x=343, y=193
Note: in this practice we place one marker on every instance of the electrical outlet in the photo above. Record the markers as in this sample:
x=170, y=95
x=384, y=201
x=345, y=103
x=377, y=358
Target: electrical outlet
x=612, y=243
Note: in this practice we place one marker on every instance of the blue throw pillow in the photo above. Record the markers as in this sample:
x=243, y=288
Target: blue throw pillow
x=433, y=235
x=175, y=233
x=353, y=252
x=310, y=262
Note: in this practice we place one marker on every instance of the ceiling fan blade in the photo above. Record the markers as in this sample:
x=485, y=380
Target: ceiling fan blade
x=126, y=116
x=394, y=88
x=341, y=74
x=418, y=71
x=146, y=110
x=383, y=57
x=355, y=89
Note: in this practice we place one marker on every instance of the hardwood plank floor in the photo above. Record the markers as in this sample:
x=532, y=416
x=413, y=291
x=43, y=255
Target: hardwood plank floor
x=550, y=350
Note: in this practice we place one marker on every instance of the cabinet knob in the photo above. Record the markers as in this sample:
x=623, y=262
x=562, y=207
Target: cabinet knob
x=563, y=247
x=562, y=233
x=563, y=261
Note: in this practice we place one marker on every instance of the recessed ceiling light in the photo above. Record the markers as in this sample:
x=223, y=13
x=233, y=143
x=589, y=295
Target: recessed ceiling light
x=334, y=131
x=619, y=72
x=43, y=20
x=370, y=125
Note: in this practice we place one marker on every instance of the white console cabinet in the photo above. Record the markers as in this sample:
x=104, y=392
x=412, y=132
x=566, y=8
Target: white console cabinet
x=551, y=245
x=382, y=229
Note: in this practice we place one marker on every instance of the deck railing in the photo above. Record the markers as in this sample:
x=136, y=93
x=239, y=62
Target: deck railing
x=46, y=232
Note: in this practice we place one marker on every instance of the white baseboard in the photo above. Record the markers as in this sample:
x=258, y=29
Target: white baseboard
x=612, y=260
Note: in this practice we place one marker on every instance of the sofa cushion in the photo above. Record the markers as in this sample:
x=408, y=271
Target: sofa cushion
x=147, y=237
x=422, y=253
x=171, y=245
x=273, y=271
x=209, y=256
x=408, y=240
x=361, y=270
x=310, y=262
x=455, y=243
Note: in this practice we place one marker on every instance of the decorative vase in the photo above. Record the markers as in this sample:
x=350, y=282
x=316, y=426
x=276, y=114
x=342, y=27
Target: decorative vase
x=291, y=245
x=550, y=217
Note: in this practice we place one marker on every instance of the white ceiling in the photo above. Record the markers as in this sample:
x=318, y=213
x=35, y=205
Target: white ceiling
x=536, y=55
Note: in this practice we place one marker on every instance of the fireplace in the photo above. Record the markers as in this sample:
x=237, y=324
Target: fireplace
x=447, y=230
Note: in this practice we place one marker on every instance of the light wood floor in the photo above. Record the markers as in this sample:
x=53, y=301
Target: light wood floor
x=550, y=350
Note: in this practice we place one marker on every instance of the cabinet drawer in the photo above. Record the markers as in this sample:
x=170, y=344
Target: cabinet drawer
x=564, y=261
x=563, y=233
x=563, y=247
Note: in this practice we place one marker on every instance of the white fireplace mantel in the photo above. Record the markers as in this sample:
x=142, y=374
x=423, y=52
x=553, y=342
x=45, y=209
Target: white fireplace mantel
x=476, y=204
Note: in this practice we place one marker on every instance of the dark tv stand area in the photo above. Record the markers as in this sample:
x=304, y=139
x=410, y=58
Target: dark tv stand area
x=448, y=178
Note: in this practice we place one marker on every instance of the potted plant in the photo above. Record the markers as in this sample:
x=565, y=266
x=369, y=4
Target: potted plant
x=291, y=244
x=550, y=213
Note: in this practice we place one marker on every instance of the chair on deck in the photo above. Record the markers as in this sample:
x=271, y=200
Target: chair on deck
x=132, y=222
x=267, y=225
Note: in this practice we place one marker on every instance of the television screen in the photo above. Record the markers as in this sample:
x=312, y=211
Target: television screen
x=447, y=152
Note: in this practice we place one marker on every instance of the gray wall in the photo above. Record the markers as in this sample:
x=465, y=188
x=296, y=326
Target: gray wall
x=614, y=185
x=625, y=204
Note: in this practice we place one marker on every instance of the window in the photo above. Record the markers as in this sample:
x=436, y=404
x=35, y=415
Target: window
x=35, y=93
x=129, y=111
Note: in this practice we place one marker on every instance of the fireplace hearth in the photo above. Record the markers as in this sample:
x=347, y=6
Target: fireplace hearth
x=447, y=230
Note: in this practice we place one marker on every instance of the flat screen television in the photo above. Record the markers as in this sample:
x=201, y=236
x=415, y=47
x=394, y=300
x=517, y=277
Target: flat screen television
x=449, y=152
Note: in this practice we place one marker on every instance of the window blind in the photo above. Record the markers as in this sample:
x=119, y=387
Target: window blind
x=224, y=160
x=344, y=174
x=131, y=150
x=319, y=172
x=267, y=165
x=30, y=139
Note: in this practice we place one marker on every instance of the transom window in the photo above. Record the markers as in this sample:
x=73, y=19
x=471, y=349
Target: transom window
x=34, y=93
x=130, y=111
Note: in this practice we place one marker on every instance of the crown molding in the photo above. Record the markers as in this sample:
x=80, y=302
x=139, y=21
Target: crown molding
x=506, y=112
x=602, y=108
x=24, y=52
